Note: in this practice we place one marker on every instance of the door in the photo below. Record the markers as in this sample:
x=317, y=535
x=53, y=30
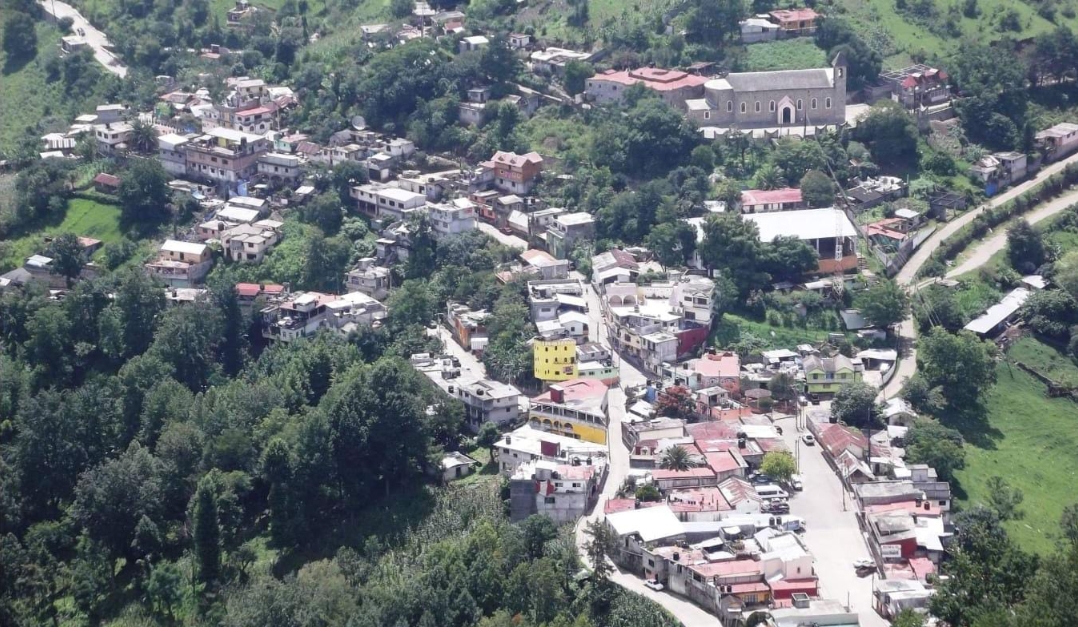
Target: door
x=787, y=115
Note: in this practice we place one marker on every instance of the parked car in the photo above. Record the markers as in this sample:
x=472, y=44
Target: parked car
x=808, y=439
x=80, y=32
x=864, y=563
x=795, y=483
x=654, y=585
x=760, y=479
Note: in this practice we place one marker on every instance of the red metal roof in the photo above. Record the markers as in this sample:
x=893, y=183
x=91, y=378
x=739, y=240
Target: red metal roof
x=662, y=473
x=794, y=15
x=653, y=78
x=786, y=195
x=722, y=462
x=254, y=289
x=107, y=179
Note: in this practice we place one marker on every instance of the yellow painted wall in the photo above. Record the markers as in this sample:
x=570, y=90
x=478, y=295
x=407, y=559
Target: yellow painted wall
x=582, y=431
x=554, y=360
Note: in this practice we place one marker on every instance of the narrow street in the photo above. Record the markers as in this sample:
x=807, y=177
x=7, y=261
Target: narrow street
x=508, y=240
x=96, y=39
x=832, y=534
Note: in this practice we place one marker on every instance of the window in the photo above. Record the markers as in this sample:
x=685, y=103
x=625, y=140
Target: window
x=800, y=104
x=827, y=103
x=707, y=115
x=813, y=103
x=729, y=106
x=744, y=108
x=771, y=106
x=549, y=500
x=757, y=106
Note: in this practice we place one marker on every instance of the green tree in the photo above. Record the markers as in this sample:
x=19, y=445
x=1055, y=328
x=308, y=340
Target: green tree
x=929, y=442
x=1025, y=248
x=139, y=300
x=400, y=8
x=1051, y=312
x=143, y=137
x=672, y=242
x=779, y=465
x=207, y=534
x=855, y=405
x=20, y=38
x=960, y=365
x=112, y=499
x=817, y=189
x=884, y=304
x=232, y=346
x=488, y=436
x=908, y=618
x=187, y=340
x=600, y=546
x=889, y=132
x=733, y=245
x=325, y=212
x=787, y=258
x=278, y=473
x=703, y=157
x=164, y=590
x=1004, y=499
x=144, y=195
x=783, y=387
x=676, y=457
x=67, y=257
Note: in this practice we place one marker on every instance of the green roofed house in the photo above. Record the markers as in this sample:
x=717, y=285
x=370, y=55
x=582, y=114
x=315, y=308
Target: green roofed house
x=827, y=375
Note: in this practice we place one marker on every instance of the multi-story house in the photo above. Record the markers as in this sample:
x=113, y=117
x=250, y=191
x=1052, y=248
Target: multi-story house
x=827, y=375
x=301, y=315
x=172, y=153
x=673, y=86
x=515, y=174
x=486, y=401
x=225, y=156
x=576, y=408
x=369, y=278
x=181, y=264
x=377, y=200
x=452, y=218
x=566, y=230
x=112, y=137
x=526, y=444
x=280, y=167
x=554, y=359
x=248, y=243
x=561, y=492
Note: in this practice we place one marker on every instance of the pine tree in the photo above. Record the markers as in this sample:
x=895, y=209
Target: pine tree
x=207, y=534
x=277, y=470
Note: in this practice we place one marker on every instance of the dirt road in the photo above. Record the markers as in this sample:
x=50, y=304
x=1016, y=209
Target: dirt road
x=97, y=40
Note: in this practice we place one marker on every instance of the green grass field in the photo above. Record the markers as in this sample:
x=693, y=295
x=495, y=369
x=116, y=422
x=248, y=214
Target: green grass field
x=791, y=54
x=25, y=97
x=1031, y=441
x=83, y=217
x=733, y=328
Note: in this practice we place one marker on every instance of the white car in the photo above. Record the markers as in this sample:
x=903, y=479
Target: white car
x=863, y=562
x=808, y=439
x=795, y=483
x=654, y=585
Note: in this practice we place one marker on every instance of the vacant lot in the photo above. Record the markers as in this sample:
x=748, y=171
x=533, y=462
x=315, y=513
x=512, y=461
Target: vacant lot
x=1031, y=441
x=83, y=217
x=792, y=54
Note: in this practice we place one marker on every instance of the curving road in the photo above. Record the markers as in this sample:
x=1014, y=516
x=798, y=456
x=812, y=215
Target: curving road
x=981, y=253
x=97, y=40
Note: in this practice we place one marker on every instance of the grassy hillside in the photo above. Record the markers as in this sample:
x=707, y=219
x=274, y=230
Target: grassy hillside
x=792, y=54
x=932, y=29
x=1031, y=441
x=83, y=217
x=25, y=96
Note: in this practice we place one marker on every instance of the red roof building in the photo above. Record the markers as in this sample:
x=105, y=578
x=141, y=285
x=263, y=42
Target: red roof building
x=106, y=183
x=673, y=86
x=796, y=21
x=761, y=200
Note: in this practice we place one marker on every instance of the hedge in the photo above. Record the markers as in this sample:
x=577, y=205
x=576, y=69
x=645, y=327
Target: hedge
x=991, y=218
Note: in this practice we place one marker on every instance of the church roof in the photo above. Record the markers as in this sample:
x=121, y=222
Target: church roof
x=818, y=78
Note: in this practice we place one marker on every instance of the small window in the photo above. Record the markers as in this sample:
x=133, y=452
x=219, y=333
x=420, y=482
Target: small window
x=707, y=115
x=549, y=500
x=757, y=106
x=744, y=107
x=800, y=104
x=771, y=106
x=814, y=103
x=827, y=103
x=729, y=106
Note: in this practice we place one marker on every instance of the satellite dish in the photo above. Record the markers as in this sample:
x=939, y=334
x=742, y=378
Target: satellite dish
x=359, y=123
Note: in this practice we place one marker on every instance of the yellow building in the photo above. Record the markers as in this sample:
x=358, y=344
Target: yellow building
x=575, y=409
x=554, y=360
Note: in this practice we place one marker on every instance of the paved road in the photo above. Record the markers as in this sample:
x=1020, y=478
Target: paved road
x=985, y=250
x=832, y=534
x=97, y=40
x=508, y=240
x=907, y=331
